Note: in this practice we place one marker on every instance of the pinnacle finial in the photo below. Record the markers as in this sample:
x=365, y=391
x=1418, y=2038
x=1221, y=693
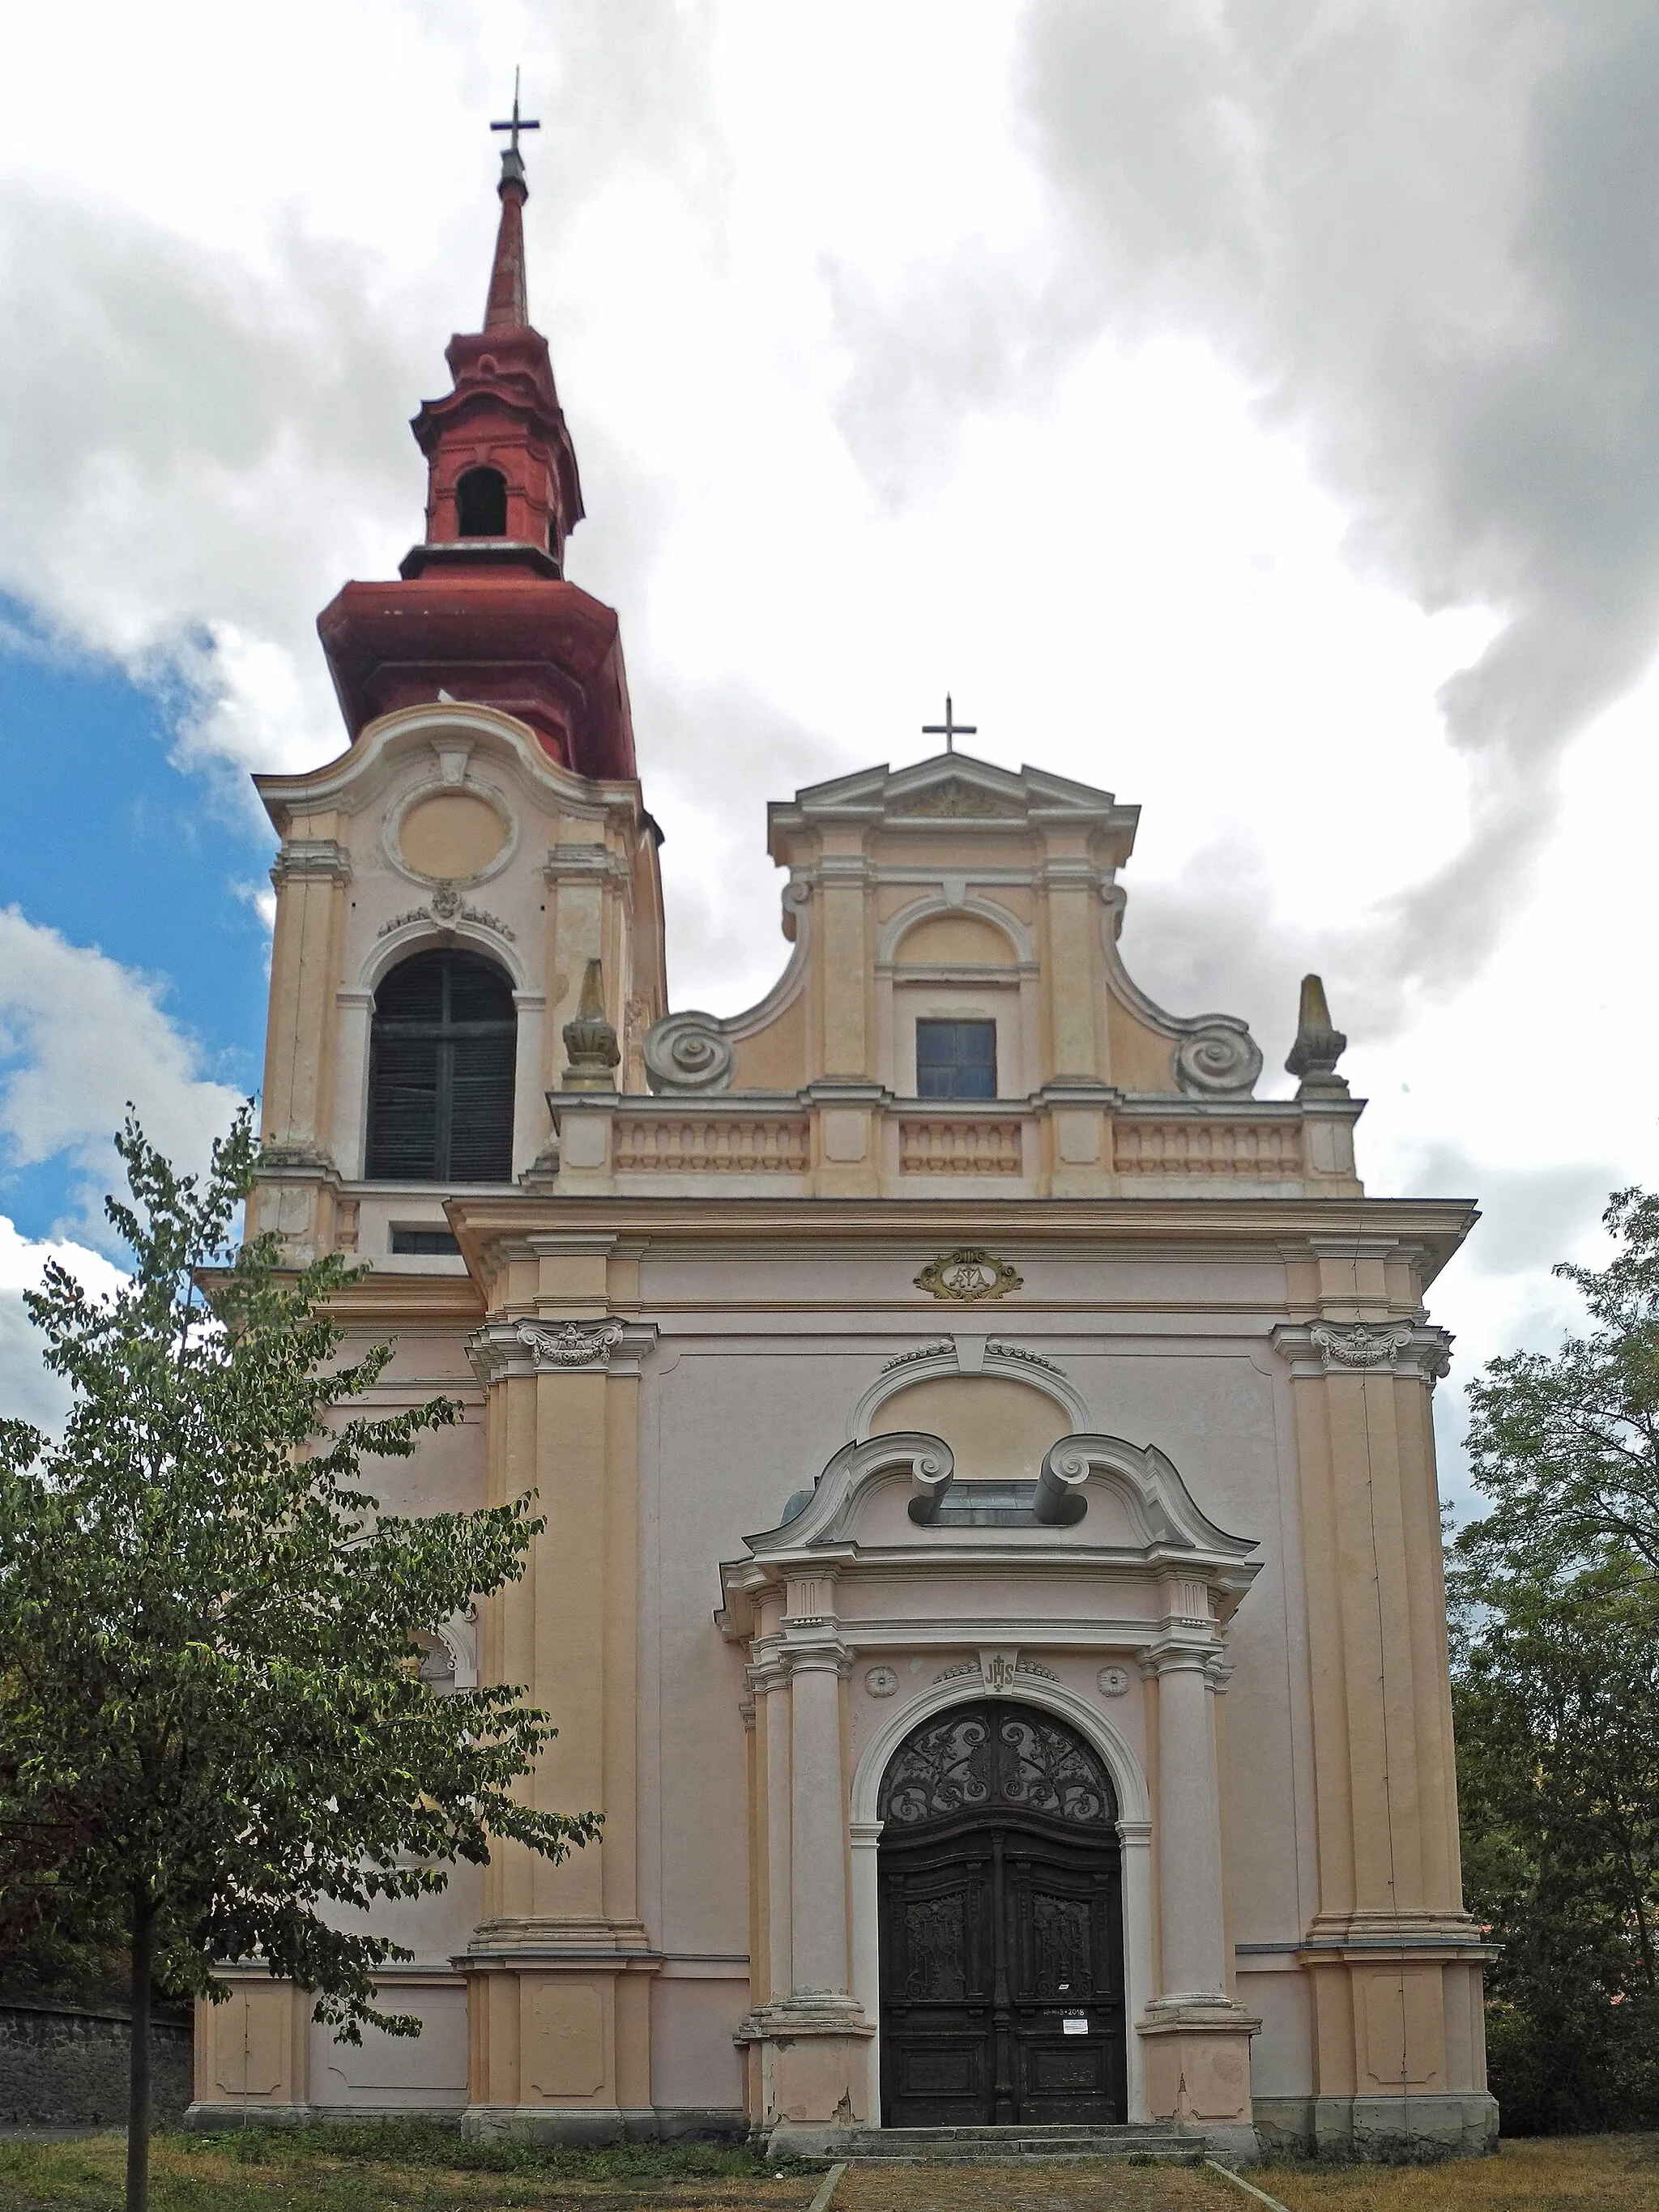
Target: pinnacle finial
x=590, y=1040
x=1319, y=1045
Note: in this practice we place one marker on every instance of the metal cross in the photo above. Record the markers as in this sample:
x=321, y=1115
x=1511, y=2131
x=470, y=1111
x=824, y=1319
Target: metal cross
x=949, y=729
x=518, y=122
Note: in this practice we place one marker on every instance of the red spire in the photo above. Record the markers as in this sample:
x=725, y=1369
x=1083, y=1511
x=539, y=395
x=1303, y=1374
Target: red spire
x=481, y=611
x=507, y=307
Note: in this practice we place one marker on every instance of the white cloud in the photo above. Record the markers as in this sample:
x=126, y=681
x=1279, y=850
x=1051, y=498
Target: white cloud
x=28, y=1390
x=1215, y=400
x=80, y=1035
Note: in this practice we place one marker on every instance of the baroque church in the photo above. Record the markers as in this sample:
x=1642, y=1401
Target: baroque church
x=992, y=1580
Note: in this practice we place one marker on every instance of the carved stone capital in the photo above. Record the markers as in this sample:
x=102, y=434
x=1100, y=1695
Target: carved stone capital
x=1413, y=1351
x=314, y=858
x=577, y=863
x=510, y=1348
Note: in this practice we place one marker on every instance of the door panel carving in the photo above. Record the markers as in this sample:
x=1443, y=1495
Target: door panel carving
x=1001, y=1920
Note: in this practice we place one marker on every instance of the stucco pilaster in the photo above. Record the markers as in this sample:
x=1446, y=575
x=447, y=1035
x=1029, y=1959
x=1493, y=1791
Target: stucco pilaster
x=1189, y=1831
x=311, y=875
x=818, y=1826
x=1391, y=1955
x=589, y=892
x=812, y=2040
x=845, y=963
x=561, y=1417
x=1071, y=897
x=1195, y=2039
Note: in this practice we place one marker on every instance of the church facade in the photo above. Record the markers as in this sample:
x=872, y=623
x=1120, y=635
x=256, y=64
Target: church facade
x=991, y=1581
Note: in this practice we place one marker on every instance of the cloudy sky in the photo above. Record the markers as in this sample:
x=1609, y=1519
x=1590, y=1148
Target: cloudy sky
x=1252, y=410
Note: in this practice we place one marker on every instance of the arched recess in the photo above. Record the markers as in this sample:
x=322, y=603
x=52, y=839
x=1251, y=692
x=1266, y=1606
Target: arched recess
x=422, y=932
x=897, y=928
x=1002, y=992
x=991, y=1358
x=443, y=1071
x=1128, y=1779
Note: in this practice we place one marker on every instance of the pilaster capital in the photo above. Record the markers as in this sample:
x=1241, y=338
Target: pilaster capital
x=843, y=871
x=1173, y=1655
x=508, y=1349
x=1411, y=1350
x=592, y=863
x=312, y=859
x=766, y=1673
x=289, y=1163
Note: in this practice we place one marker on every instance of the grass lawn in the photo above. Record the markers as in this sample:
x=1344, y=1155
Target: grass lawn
x=1554, y=2173
x=401, y=2167
x=416, y=2167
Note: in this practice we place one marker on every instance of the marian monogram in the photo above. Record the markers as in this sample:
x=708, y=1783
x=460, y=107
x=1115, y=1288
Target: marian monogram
x=967, y=1275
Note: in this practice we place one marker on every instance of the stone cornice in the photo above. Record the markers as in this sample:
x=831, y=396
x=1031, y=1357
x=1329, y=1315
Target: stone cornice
x=1260, y=1227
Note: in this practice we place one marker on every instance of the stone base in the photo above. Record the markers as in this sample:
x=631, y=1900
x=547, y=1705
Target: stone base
x=814, y=2062
x=1196, y=2061
x=1451, y=2125
x=585, y=2126
x=217, y=2119
x=978, y=2146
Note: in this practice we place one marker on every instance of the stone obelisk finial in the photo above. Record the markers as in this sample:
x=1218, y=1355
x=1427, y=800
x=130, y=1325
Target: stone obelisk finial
x=1319, y=1045
x=590, y=1040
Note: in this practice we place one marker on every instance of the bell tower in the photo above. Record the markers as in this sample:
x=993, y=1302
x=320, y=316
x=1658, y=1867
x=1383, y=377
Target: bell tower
x=481, y=611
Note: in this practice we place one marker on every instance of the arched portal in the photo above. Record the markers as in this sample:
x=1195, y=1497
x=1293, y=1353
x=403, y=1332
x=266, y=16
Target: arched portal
x=1000, y=1904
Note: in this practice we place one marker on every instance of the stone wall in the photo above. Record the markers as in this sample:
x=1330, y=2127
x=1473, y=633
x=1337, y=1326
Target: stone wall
x=64, y=2066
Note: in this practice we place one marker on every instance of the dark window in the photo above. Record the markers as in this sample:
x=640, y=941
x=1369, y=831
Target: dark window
x=481, y=504
x=429, y=1241
x=955, y=1059
x=441, y=1072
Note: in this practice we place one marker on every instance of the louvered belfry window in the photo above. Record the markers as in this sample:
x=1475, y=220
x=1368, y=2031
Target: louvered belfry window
x=441, y=1072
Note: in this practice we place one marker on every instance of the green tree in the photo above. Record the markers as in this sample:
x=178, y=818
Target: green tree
x=1555, y=1600
x=1556, y=1689
x=1566, y=1446
x=215, y=1742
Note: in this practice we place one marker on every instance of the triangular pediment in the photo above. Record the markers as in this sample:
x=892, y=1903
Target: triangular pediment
x=957, y=788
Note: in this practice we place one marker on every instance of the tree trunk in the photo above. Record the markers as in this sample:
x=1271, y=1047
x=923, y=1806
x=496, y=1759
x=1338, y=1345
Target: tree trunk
x=143, y=1956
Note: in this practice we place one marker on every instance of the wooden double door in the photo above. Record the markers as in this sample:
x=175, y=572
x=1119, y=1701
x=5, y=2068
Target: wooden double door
x=1001, y=1926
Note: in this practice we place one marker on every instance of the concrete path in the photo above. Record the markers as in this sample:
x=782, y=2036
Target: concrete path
x=1036, y=2185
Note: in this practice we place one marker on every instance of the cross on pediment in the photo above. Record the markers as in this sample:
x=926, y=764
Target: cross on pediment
x=949, y=729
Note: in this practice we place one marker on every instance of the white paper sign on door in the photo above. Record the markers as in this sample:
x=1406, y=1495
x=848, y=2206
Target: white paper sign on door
x=1072, y=2026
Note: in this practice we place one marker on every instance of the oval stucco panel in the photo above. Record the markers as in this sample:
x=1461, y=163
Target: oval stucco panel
x=451, y=834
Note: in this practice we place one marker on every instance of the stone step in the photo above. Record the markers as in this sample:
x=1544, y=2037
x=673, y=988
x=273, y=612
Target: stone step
x=975, y=2145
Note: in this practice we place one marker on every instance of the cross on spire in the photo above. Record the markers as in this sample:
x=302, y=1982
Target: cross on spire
x=512, y=160
x=949, y=729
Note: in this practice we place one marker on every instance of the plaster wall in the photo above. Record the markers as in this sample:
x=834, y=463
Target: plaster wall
x=740, y=1408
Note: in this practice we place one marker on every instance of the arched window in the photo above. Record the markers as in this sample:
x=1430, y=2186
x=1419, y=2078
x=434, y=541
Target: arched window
x=481, y=504
x=441, y=1072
